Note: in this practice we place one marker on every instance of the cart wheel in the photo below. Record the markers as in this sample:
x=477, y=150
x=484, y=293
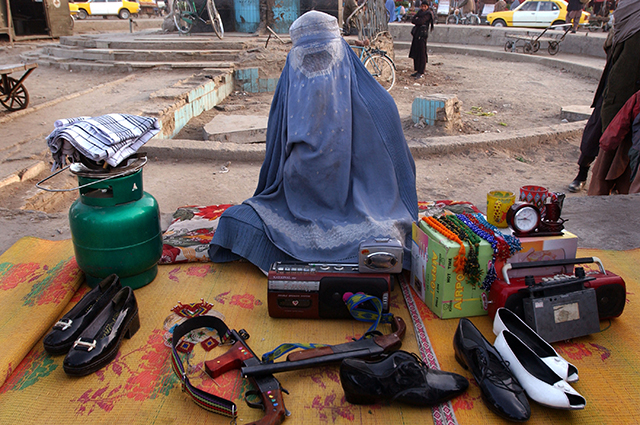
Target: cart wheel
x=536, y=46
x=508, y=46
x=20, y=98
x=554, y=47
x=528, y=47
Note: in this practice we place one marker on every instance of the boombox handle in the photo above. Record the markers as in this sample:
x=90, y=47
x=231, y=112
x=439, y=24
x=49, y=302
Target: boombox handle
x=549, y=263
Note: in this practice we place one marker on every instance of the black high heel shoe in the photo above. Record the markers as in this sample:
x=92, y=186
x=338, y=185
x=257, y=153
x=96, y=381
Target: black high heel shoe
x=98, y=344
x=501, y=391
x=60, y=339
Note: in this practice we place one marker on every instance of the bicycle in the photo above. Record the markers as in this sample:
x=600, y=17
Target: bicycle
x=458, y=18
x=185, y=14
x=379, y=64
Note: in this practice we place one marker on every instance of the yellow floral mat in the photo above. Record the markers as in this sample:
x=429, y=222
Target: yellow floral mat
x=140, y=387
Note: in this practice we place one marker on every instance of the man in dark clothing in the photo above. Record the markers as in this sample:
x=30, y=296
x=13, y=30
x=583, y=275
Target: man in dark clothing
x=590, y=143
x=574, y=12
x=420, y=32
x=611, y=171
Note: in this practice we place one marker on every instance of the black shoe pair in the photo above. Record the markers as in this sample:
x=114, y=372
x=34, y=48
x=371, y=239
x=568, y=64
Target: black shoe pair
x=91, y=332
x=501, y=391
x=400, y=376
x=415, y=74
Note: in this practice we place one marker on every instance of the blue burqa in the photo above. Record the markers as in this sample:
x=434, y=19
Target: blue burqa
x=337, y=168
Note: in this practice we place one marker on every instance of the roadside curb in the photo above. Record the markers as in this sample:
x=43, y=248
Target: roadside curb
x=24, y=174
x=420, y=148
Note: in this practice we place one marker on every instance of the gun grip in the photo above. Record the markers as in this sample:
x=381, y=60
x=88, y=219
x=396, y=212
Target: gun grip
x=274, y=410
x=230, y=360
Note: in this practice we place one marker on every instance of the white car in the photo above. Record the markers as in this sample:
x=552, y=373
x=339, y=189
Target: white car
x=534, y=13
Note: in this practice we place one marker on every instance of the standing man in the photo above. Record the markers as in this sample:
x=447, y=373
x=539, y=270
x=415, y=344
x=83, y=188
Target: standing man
x=574, y=12
x=422, y=22
x=612, y=171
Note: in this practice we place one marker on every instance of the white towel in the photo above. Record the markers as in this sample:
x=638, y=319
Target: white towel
x=110, y=138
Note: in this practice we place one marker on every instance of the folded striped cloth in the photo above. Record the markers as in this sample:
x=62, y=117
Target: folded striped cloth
x=110, y=138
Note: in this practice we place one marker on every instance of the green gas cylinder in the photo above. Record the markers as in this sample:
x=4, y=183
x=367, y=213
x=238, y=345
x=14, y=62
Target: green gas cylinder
x=115, y=228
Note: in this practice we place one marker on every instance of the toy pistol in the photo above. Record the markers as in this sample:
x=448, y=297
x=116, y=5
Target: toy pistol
x=268, y=388
x=363, y=348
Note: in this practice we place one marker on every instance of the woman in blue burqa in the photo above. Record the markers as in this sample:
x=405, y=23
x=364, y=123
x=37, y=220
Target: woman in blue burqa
x=337, y=168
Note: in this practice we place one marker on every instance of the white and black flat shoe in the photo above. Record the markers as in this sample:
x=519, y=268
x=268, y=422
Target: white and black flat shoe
x=540, y=383
x=507, y=320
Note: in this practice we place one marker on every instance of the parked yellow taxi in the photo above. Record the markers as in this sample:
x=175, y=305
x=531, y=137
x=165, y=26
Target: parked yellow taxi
x=120, y=8
x=534, y=13
x=73, y=9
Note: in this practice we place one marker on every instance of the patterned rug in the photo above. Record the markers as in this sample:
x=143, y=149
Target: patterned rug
x=140, y=387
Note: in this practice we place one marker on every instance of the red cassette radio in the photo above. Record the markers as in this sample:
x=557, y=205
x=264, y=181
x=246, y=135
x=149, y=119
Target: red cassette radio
x=315, y=291
x=610, y=289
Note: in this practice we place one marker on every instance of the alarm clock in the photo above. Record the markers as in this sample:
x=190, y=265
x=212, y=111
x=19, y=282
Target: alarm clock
x=524, y=218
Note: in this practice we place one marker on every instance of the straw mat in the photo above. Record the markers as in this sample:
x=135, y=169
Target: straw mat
x=139, y=386
x=608, y=362
x=37, y=280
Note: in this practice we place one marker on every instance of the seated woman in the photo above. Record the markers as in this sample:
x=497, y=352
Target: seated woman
x=337, y=168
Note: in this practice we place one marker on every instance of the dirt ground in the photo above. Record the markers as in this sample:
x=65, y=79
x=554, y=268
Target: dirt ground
x=496, y=96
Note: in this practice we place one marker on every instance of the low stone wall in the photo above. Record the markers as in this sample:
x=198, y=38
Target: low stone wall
x=583, y=43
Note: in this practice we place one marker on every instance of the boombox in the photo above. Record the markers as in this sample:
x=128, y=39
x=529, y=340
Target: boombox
x=610, y=289
x=315, y=291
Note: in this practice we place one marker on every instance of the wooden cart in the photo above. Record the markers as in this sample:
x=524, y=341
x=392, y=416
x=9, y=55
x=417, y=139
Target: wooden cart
x=13, y=94
x=530, y=42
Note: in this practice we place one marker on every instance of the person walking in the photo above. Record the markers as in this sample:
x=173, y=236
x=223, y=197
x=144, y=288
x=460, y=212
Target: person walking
x=422, y=22
x=574, y=12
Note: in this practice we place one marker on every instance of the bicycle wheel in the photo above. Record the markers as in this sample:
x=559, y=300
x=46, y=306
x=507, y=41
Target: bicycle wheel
x=382, y=70
x=20, y=98
x=183, y=15
x=452, y=19
x=214, y=19
x=474, y=20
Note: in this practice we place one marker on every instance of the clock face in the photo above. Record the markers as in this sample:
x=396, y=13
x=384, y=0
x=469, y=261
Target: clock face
x=526, y=219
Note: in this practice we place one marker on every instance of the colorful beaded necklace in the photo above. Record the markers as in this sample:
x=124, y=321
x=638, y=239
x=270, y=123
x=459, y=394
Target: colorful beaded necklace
x=490, y=237
x=460, y=259
x=512, y=241
x=472, y=266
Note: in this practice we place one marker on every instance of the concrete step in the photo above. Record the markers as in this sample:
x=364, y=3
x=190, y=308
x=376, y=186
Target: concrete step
x=173, y=65
x=74, y=52
x=156, y=43
x=237, y=129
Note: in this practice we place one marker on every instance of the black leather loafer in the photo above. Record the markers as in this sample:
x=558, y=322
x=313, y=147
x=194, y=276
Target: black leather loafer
x=400, y=376
x=60, y=339
x=501, y=391
x=98, y=344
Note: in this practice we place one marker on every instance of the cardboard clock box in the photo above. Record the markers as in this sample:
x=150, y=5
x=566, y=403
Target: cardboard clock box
x=445, y=292
x=543, y=248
